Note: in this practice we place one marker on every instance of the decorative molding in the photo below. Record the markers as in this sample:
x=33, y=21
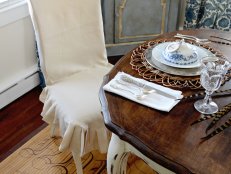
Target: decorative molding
x=124, y=43
x=13, y=13
x=121, y=8
x=163, y=4
x=18, y=88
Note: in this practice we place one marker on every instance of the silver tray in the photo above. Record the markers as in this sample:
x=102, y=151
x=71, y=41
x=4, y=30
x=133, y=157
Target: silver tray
x=168, y=69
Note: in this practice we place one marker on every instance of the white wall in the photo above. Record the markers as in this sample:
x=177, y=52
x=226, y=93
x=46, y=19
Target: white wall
x=17, y=53
x=17, y=50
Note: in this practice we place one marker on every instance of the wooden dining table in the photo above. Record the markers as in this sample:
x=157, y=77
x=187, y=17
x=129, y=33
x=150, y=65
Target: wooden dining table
x=167, y=138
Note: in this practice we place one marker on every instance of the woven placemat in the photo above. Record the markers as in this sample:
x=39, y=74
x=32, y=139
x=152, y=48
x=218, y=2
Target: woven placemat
x=148, y=72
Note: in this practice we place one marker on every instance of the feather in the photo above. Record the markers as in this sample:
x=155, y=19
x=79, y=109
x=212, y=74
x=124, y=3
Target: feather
x=200, y=95
x=219, y=115
x=221, y=38
x=220, y=42
x=218, y=130
x=205, y=117
x=216, y=115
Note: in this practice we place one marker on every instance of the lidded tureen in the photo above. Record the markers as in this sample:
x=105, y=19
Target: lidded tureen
x=181, y=53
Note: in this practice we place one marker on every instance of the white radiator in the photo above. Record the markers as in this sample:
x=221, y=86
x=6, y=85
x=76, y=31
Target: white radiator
x=18, y=85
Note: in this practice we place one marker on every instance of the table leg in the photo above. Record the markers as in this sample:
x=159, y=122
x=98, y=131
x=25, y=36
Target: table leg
x=117, y=156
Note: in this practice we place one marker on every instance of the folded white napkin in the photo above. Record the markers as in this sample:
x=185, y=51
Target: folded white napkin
x=125, y=85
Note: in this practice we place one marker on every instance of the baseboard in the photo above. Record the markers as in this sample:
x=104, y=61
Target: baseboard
x=18, y=89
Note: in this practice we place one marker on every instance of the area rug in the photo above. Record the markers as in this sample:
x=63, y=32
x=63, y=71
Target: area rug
x=40, y=155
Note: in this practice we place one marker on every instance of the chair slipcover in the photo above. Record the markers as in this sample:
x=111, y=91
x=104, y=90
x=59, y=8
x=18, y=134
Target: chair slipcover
x=73, y=60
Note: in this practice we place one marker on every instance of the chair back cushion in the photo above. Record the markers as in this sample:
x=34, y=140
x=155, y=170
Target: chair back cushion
x=69, y=35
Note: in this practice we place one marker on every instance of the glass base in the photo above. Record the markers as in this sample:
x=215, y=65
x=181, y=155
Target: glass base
x=204, y=108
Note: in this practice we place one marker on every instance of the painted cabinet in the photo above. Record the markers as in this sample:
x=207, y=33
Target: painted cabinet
x=128, y=23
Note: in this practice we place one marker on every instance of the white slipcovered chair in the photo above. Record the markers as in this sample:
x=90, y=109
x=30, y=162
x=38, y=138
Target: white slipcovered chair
x=72, y=53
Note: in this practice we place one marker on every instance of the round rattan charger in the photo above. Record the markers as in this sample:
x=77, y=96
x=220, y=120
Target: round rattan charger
x=148, y=72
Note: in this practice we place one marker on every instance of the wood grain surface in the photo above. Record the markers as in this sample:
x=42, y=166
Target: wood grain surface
x=168, y=137
x=18, y=120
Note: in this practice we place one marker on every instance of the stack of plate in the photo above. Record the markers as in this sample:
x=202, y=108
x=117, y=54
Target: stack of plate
x=155, y=57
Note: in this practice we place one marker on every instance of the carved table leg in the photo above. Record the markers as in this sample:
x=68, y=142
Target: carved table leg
x=117, y=156
x=118, y=153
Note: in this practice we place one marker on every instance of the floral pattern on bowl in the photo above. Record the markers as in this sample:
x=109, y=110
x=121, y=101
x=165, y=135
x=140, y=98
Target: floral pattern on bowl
x=183, y=53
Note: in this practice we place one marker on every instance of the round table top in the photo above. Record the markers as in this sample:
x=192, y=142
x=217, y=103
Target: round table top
x=168, y=138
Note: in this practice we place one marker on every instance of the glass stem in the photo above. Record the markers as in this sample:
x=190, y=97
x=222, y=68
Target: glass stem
x=207, y=98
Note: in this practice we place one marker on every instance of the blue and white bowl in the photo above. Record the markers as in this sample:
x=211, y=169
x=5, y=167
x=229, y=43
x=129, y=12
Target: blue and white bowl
x=180, y=53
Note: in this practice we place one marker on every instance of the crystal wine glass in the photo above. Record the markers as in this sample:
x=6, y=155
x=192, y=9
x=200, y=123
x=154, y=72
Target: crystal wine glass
x=213, y=70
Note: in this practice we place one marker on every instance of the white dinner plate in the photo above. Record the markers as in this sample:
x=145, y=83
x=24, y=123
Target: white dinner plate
x=157, y=54
x=168, y=69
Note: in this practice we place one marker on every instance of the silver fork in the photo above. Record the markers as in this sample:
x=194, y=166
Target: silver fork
x=143, y=89
x=189, y=37
x=119, y=87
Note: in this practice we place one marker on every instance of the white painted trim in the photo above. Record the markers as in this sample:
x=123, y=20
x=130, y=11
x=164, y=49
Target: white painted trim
x=13, y=13
x=19, y=76
x=8, y=3
x=182, y=14
x=18, y=89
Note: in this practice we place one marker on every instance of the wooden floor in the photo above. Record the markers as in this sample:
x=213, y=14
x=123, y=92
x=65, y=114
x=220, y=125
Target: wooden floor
x=18, y=120
x=21, y=119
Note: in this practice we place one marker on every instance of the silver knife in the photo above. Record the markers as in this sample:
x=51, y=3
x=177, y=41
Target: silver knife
x=142, y=85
